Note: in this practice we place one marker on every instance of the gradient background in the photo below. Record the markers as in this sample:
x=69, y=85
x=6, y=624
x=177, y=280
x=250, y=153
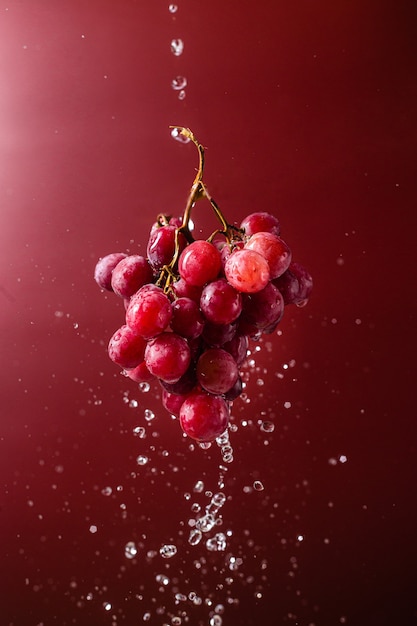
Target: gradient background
x=307, y=110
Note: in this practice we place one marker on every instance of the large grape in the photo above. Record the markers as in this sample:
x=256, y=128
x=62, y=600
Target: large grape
x=217, y=371
x=204, y=417
x=167, y=357
x=199, y=263
x=126, y=348
x=273, y=249
x=220, y=302
x=149, y=311
x=247, y=271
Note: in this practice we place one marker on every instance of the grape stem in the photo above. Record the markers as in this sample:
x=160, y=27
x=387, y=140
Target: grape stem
x=197, y=192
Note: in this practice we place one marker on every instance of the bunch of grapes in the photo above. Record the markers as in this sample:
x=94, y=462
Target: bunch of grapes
x=193, y=305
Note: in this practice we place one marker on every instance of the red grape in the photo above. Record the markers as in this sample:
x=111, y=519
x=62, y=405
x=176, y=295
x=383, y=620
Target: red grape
x=217, y=371
x=130, y=274
x=126, y=348
x=182, y=289
x=204, y=417
x=199, y=263
x=295, y=284
x=167, y=357
x=273, y=249
x=104, y=269
x=187, y=319
x=217, y=334
x=247, y=271
x=149, y=311
x=238, y=347
x=161, y=246
x=220, y=302
x=140, y=373
x=173, y=402
x=260, y=221
x=264, y=308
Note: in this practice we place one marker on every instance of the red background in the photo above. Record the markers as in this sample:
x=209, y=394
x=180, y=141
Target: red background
x=308, y=110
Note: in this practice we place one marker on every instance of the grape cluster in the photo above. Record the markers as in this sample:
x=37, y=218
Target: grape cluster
x=193, y=305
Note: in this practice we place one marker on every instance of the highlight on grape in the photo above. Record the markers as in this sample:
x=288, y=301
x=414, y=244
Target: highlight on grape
x=193, y=305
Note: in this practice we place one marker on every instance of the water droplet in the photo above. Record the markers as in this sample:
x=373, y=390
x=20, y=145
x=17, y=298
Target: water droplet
x=258, y=485
x=176, y=134
x=162, y=579
x=216, y=543
x=216, y=503
x=149, y=415
x=216, y=620
x=177, y=47
x=93, y=529
x=107, y=606
x=130, y=550
x=267, y=427
x=168, y=550
x=139, y=431
x=178, y=83
x=107, y=491
x=181, y=94
x=206, y=523
x=173, y=8
x=198, y=487
x=142, y=459
x=195, y=537
x=133, y=404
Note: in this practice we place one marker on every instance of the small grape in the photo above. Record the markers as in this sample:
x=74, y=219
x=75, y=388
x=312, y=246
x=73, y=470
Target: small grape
x=187, y=319
x=130, y=274
x=199, y=263
x=273, y=249
x=204, y=417
x=235, y=391
x=218, y=334
x=168, y=356
x=140, y=373
x=260, y=221
x=161, y=245
x=149, y=311
x=247, y=271
x=217, y=371
x=238, y=347
x=173, y=402
x=182, y=289
x=220, y=302
x=104, y=269
x=184, y=385
x=295, y=284
x=126, y=348
x=265, y=308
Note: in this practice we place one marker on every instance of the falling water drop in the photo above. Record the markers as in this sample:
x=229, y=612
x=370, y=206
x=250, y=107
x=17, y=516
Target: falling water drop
x=176, y=134
x=178, y=83
x=177, y=47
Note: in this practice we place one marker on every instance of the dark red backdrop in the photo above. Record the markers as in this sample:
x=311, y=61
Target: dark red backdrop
x=308, y=110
